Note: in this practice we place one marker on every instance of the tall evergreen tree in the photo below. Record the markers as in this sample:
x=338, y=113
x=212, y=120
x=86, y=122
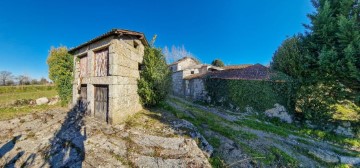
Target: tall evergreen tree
x=334, y=42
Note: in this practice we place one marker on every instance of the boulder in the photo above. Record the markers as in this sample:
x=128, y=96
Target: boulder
x=279, y=112
x=41, y=101
x=355, y=161
x=344, y=131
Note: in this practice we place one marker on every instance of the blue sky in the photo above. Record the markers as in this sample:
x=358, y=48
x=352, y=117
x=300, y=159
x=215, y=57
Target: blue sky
x=236, y=31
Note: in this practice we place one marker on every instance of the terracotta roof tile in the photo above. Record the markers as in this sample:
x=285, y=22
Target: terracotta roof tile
x=113, y=32
x=254, y=72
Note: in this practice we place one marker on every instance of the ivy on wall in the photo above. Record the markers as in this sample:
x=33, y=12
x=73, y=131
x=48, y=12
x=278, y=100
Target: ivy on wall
x=258, y=94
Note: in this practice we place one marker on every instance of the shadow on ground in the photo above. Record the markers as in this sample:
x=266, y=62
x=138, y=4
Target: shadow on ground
x=67, y=146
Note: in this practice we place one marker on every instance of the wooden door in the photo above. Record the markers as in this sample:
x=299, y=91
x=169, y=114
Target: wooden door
x=83, y=92
x=101, y=103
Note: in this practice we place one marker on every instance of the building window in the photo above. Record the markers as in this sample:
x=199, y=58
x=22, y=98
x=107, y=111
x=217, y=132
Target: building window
x=83, y=61
x=135, y=44
x=140, y=67
x=101, y=62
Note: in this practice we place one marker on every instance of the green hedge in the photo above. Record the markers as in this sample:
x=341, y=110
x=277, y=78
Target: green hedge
x=26, y=88
x=258, y=94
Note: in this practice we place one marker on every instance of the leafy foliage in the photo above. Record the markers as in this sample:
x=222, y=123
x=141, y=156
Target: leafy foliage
x=218, y=63
x=289, y=57
x=260, y=95
x=325, y=61
x=155, y=77
x=60, y=72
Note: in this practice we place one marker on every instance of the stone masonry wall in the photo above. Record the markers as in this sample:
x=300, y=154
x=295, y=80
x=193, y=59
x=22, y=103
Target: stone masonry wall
x=124, y=60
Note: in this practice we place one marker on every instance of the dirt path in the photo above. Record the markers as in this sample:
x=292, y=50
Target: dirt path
x=302, y=149
x=61, y=138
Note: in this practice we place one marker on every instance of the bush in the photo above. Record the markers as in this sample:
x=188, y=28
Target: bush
x=155, y=78
x=260, y=95
x=60, y=72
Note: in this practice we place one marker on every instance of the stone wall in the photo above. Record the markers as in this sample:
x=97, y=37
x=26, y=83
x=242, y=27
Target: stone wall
x=186, y=63
x=125, y=56
x=177, y=83
x=197, y=89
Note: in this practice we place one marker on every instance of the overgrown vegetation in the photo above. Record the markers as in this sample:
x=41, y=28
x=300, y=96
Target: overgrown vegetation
x=260, y=95
x=155, y=77
x=325, y=61
x=61, y=72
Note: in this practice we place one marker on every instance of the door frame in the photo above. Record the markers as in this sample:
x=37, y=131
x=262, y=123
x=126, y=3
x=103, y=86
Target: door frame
x=107, y=117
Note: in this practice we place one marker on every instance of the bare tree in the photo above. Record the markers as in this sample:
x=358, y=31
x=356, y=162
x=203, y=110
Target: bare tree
x=5, y=76
x=176, y=53
x=23, y=79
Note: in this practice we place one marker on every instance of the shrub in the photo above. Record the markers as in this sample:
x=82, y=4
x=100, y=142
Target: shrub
x=155, y=78
x=61, y=72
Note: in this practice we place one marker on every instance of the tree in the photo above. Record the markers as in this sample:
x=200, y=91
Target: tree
x=23, y=79
x=5, y=76
x=333, y=42
x=155, y=77
x=289, y=57
x=60, y=64
x=176, y=53
x=218, y=63
x=43, y=81
x=34, y=82
x=10, y=82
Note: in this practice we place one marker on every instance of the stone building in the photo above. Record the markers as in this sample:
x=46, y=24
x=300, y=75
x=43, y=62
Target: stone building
x=184, y=74
x=106, y=70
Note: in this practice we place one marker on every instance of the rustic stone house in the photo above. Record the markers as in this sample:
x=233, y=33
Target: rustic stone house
x=106, y=70
x=182, y=70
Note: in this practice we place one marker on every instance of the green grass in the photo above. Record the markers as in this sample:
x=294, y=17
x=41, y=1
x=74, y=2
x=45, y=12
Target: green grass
x=214, y=122
x=11, y=94
x=285, y=159
x=25, y=88
x=327, y=136
x=31, y=92
x=264, y=127
x=13, y=112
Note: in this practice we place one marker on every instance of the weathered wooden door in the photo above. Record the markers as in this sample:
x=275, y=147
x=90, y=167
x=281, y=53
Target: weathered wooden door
x=101, y=62
x=101, y=103
x=83, y=93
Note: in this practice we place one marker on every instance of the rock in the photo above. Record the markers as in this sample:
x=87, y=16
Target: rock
x=195, y=134
x=344, y=131
x=54, y=100
x=350, y=160
x=279, y=112
x=41, y=101
x=325, y=156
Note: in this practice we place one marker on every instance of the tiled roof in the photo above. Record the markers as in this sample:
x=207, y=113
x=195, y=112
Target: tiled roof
x=236, y=66
x=184, y=58
x=141, y=36
x=254, y=72
x=194, y=76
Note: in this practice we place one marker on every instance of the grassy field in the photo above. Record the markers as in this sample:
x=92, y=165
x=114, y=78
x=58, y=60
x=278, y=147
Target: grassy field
x=10, y=94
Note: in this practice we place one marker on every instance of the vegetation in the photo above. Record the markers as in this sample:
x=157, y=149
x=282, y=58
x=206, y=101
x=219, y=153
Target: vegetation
x=325, y=62
x=155, y=77
x=260, y=95
x=15, y=100
x=218, y=63
x=60, y=72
